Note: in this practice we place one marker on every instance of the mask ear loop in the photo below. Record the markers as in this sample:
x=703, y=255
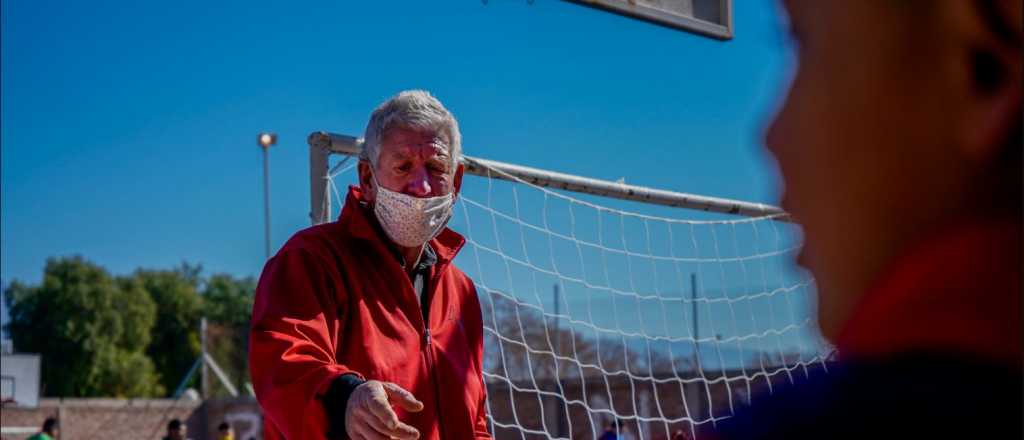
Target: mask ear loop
x=376, y=183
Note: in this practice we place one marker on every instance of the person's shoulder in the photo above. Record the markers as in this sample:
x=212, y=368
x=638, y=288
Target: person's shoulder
x=462, y=281
x=317, y=239
x=910, y=393
x=310, y=250
x=458, y=274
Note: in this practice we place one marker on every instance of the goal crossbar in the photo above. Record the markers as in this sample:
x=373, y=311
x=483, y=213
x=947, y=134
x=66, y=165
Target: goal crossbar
x=323, y=144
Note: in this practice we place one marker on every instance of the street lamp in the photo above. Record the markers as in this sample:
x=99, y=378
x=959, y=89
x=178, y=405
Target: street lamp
x=265, y=140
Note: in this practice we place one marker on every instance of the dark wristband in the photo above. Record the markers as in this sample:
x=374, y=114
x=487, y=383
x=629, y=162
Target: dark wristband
x=336, y=400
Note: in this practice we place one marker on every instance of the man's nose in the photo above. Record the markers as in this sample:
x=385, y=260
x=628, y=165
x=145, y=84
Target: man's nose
x=419, y=184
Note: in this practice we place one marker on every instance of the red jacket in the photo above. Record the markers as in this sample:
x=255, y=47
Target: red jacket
x=957, y=292
x=335, y=300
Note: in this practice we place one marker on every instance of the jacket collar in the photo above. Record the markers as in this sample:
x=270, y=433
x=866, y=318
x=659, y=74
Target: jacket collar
x=358, y=219
x=959, y=292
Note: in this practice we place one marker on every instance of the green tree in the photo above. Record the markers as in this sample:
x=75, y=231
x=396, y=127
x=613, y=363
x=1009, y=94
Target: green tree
x=227, y=304
x=90, y=329
x=228, y=300
x=175, y=343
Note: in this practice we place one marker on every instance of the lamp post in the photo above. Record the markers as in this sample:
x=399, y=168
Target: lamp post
x=265, y=140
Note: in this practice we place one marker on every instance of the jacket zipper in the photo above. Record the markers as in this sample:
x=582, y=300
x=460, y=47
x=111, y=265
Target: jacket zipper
x=428, y=346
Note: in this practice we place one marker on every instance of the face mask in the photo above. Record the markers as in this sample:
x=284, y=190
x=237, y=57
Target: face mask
x=411, y=221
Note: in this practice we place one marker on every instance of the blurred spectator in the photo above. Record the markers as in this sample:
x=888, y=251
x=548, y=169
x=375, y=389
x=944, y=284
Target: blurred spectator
x=680, y=435
x=612, y=431
x=900, y=147
x=176, y=430
x=50, y=431
x=225, y=432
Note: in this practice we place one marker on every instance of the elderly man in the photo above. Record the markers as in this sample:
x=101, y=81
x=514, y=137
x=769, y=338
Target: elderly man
x=900, y=147
x=363, y=328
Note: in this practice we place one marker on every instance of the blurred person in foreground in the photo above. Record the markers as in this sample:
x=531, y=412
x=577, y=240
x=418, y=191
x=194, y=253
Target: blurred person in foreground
x=225, y=432
x=50, y=430
x=362, y=327
x=900, y=147
x=176, y=430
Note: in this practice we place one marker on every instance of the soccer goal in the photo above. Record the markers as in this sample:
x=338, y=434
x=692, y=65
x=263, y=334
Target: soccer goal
x=613, y=306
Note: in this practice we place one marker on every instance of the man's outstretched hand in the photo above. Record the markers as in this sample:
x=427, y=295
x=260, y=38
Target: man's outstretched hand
x=368, y=415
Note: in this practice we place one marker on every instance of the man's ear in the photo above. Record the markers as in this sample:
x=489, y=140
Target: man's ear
x=366, y=181
x=459, y=171
x=995, y=81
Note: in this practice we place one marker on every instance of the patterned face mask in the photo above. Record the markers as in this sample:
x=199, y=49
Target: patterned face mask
x=411, y=221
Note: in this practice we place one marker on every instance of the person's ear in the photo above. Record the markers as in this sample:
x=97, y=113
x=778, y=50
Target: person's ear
x=459, y=171
x=995, y=76
x=366, y=182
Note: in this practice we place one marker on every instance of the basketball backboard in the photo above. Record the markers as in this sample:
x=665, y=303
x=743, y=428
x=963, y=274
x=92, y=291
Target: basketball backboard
x=710, y=18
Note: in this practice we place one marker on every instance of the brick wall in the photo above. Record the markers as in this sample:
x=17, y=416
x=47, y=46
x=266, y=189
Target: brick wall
x=673, y=399
x=82, y=419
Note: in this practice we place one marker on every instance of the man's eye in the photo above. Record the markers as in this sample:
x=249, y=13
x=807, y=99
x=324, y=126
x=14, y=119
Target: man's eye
x=404, y=168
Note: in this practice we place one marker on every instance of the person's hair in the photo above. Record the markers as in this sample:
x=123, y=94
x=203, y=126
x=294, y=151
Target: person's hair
x=223, y=426
x=50, y=424
x=415, y=110
x=174, y=425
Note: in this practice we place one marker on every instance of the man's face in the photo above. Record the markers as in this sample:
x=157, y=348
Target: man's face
x=859, y=139
x=416, y=163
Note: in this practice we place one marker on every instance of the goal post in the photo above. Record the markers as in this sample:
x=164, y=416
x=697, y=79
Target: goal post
x=607, y=303
x=322, y=145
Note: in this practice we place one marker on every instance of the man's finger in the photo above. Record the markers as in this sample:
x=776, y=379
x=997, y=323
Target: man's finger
x=380, y=408
x=378, y=425
x=401, y=431
x=354, y=434
x=406, y=432
x=402, y=398
x=364, y=432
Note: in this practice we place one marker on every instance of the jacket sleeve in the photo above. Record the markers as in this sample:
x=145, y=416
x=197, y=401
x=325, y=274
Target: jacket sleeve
x=295, y=329
x=480, y=425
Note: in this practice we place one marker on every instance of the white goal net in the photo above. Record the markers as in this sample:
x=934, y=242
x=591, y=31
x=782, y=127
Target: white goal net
x=604, y=314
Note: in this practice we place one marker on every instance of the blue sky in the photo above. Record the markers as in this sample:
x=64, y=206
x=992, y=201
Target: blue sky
x=129, y=129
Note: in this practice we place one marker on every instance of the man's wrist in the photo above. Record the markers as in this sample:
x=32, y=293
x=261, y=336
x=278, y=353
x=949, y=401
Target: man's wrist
x=336, y=401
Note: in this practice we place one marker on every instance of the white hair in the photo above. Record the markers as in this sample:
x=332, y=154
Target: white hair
x=411, y=109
